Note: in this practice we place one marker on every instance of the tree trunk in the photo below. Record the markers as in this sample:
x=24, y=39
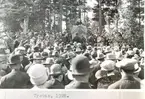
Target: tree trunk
x=26, y=22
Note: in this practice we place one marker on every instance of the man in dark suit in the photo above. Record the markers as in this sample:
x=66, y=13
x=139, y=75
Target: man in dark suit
x=127, y=68
x=56, y=78
x=80, y=71
x=16, y=78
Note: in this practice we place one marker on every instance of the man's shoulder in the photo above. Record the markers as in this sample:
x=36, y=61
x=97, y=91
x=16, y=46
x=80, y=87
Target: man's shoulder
x=115, y=85
x=70, y=85
x=53, y=84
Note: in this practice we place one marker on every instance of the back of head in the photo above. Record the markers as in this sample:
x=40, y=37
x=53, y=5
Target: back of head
x=55, y=70
x=80, y=65
x=15, y=61
x=108, y=65
x=128, y=65
x=38, y=74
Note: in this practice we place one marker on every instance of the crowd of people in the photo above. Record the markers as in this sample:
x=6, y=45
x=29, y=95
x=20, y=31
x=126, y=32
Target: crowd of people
x=75, y=65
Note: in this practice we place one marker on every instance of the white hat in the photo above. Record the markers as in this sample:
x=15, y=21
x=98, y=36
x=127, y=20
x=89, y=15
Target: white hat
x=21, y=48
x=38, y=74
x=108, y=65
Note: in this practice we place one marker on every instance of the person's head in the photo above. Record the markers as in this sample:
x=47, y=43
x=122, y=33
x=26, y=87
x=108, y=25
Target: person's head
x=111, y=56
x=44, y=55
x=107, y=50
x=56, y=72
x=87, y=55
x=129, y=54
x=80, y=67
x=136, y=51
x=20, y=50
x=35, y=49
x=108, y=66
x=48, y=62
x=38, y=74
x=37, y=58
x=15, y=62
x=94, y=54
x=78, y=51
x=55, y=54
x=89, y=48
x=101, y=57
x=127, y=66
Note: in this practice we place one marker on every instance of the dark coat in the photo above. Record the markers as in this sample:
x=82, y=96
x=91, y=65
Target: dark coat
x=107, y=80
x=15, y=79
x=77, y=85
x=25, y=61
x=53, y=84
x=127, y=82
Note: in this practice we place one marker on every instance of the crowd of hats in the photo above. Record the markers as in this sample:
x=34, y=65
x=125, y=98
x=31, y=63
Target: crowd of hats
x=72, y=59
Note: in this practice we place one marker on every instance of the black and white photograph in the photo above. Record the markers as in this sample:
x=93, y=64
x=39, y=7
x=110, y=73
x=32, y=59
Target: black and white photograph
x=72, y=44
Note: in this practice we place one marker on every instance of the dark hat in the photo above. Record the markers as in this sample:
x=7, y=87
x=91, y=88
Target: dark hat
x=94, y=54
x=127, y=64
x=55, y=69
x=14, y=59
x=80, y=65
x=36, y=49
x=44, y=54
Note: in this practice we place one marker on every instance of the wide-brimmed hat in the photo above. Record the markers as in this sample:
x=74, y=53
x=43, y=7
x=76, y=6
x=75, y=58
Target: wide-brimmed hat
x=110, y=56
x=80, y=65
x=14, y=59
x=127, y=64
x=55, y=69
x=108, y=65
